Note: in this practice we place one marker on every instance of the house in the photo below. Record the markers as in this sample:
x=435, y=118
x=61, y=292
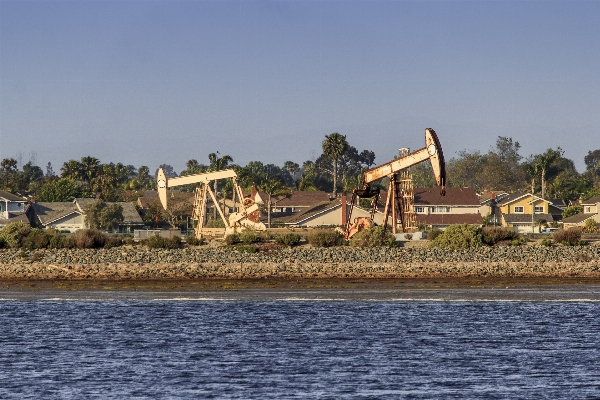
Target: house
x=328, y=213
x=70, y=215
x=131, y=217
x=12, y=207
x=458, y=206
x=591, y=210
x=522, y=211
x=61, y=215
x=488, y=205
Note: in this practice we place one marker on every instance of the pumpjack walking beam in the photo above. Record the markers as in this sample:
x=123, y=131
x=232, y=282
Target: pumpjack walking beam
x=394, y=202
x=236, y=220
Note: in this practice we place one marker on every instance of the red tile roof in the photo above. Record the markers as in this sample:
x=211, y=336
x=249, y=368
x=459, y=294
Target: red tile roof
x=453, y=197
x=303, y=199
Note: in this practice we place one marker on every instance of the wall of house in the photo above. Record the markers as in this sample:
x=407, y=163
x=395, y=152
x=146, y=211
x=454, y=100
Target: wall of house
x=334, y=217
x=527, y=208
x=71, y=223
x=451, y=210
x=16, y=207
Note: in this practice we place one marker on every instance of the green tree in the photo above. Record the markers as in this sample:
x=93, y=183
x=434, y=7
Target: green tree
x=8, y=169
x=217, y=164
x=543, y=162
x=334, y=146
x=58, y=190
x=272, y=185
x=572, y=210
x=72, y=170
x=99, y=215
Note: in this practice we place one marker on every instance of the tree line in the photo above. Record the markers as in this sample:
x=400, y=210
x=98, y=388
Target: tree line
x=339, y=168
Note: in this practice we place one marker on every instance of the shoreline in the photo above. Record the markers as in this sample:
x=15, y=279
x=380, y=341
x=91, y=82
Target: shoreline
x=213, y=263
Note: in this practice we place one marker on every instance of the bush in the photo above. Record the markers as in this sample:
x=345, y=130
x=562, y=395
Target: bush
x=112, y=241
x=159, y=242
x=215, y=223
x=434, y=234
x=36, y=239
x=326, y=238
x=458, y=237
x=249, y=235
x=2, y=243
x=546, y=242
x=376, y=236
x=192, y=240
x=247, y=249
x=568, y=237
x=89, y=239
x=232, y=239
x=14, y=234
x=492, y=235
x=590, y=223
x=289, y=239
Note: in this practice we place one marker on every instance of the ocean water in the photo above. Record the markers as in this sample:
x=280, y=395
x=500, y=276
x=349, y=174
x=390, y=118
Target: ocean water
x=119, y=346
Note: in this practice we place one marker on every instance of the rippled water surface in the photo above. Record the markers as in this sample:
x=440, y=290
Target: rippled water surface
x=299, y=349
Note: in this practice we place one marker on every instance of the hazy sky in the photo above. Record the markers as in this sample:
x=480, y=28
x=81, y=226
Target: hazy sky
x=152, y=82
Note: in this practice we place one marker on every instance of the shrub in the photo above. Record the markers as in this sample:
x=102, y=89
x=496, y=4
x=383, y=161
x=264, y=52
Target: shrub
x=491, y=235
x=215, y=223
x=14, y=234
x=458, y=237
x=590, y=223
x=159, y=242
x=568, y=237
x=2, y=242
x=232, y=239
x=67, y=242
x=546, y=242
x=247, y=249
x=112, y=241
x=289, y=239
x=326, y=238
x=192, y=240
x=376, y=236
x=248, y=236
x=36, y=239
x=89, y=239
x=434, y=234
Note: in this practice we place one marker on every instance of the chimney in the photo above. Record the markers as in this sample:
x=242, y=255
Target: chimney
x=253, y=193
x=344, y=215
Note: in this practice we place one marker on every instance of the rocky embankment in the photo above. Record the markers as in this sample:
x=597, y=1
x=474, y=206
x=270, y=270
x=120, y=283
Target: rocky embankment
x=301, y=262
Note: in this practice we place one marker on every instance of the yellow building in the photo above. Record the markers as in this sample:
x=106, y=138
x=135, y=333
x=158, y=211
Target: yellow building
x=525, y=212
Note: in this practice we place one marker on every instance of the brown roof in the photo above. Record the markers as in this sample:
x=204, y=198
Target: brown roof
x=10, y=197
x=577, y=218
x=592, y=200
x=303, y=199
x=311, y=211
x=526, y=218
x=449, y=219
x=453, y=197
x=51, y=211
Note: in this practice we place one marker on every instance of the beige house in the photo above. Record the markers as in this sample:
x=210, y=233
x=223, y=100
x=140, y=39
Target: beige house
x=591, y=210
x=70, y=215
x=458, y=206
x=12, y=208
x=523, y=212
x=328, y=213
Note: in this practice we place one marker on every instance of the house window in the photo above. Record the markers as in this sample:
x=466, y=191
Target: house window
x=519, y=209
x=420, y=209
x=440, y=209
x=539, y=209
x=588, y=210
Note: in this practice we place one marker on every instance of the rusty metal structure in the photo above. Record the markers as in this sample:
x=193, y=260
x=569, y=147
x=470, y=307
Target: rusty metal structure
x=246, y=215
x=409, y=218
x=400, y=195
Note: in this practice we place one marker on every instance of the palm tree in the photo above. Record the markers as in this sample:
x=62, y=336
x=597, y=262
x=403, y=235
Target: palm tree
x=272, y=185
x=334, y=146
x=72, y=170
x=216, y=164
x=90, y=167
x=543, y=162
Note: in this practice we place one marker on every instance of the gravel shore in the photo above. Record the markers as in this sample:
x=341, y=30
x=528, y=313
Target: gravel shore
x=206, y=262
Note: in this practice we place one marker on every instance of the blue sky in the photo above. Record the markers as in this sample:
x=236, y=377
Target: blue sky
x=152, y=82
